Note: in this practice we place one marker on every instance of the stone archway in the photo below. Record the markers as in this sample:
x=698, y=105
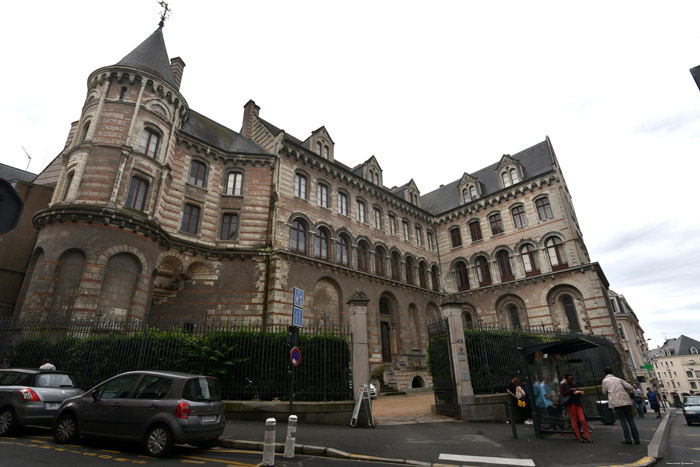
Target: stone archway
x=511, y=310
x=388, y=320
x=567, y=309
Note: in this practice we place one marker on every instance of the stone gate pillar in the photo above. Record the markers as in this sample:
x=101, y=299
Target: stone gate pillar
x=360, y=346
x=451, y=309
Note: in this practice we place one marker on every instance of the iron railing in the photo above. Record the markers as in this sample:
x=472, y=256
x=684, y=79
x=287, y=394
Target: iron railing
x=251, y=362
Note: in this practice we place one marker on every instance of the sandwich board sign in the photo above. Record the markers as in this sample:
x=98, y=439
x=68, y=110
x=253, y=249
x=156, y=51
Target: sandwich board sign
x=363, y=397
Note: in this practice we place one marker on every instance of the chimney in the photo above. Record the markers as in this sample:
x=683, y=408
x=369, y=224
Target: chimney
x=250, y=110
x=177, y=67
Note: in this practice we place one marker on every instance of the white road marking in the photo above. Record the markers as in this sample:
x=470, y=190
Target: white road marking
x=488, y=460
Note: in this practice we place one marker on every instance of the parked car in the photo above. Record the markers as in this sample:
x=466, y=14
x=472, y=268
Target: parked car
x=32, y=397
x=691, y=409
x=157, y=408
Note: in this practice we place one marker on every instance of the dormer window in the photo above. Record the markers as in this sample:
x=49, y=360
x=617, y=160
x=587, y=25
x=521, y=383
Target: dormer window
x=506, y=179
x=465, y=195
x=472, y=192
x=376, y=178
x=325, y=152
x=514, y=176
x=318, y=148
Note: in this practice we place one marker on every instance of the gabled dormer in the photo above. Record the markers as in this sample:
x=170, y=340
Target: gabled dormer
x=370, y=171
x=410, y=193
x=509, y=171
x=469, y=188
x=321, y=143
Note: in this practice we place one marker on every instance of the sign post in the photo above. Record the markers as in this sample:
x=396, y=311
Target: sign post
x=293, y=340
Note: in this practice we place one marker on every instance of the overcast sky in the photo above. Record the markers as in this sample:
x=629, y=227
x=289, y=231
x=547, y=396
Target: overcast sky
x=450, y=85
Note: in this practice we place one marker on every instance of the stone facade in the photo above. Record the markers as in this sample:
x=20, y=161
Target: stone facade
x=159, y=211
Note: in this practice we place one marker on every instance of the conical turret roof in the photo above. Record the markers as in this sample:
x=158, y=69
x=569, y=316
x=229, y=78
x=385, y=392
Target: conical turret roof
x=151, y=56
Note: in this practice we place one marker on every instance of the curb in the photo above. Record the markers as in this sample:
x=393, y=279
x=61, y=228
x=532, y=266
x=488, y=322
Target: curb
x=655, y=448
x=309, y=450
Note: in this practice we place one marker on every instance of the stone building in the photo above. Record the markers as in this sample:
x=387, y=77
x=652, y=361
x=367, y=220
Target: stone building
x=676, y=368
x=632, y=335
x=160, y=211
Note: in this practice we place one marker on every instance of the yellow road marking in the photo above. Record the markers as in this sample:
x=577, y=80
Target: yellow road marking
x=121, y=459
x=111, y=452
x=220, y=461
x=192, y=462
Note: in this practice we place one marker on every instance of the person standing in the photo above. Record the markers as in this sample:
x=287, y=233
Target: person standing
x=544, y=401
x=618, y=393
x=653, y=399
x=638, y=400
x=571, y=398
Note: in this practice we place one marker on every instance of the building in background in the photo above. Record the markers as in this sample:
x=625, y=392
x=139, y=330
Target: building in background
x=159, y=211
x=632, y=335
x=676, y=368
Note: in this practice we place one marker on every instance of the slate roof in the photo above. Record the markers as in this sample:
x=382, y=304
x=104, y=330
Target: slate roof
x=218, y=136
x=678, y=346
x=151, y=56
x=11, y=174
x=535, y=161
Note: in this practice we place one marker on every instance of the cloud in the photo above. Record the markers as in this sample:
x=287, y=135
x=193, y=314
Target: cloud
x=669, y=123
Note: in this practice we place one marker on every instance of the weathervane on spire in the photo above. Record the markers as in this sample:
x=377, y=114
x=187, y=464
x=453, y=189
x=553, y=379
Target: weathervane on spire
x=165, y=15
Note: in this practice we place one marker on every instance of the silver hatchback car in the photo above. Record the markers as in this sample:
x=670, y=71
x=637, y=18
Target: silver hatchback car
x=157, y=408
x=32, y=397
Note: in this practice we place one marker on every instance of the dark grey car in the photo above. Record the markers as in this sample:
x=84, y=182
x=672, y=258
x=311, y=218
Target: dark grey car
x=157, y=408
x=32, y=397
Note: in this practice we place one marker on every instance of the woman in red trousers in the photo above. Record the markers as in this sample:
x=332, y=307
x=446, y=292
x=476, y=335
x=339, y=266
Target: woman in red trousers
x=571, y=399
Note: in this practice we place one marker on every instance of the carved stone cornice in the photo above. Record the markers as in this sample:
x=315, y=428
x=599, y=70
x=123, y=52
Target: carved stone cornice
x=235, y=159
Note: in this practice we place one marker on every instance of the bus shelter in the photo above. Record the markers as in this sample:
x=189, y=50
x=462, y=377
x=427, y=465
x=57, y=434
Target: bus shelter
x=576, y=356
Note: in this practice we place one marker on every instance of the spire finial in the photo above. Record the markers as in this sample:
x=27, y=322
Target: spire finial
x=165, y=14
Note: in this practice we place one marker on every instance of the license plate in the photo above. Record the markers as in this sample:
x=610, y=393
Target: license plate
x=209, y=418
x=52, y=405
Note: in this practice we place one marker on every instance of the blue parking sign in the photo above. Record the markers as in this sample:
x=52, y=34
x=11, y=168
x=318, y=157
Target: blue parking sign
x=298, y=317
x=298, y=297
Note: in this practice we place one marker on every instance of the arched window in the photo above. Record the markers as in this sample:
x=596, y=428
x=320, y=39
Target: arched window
x=519, y=217
x=377, y=218
x=506, y=179
x=322, y=195
x=468, y=320
x=300, y=183
x=435, y=278
x=419, y=236
x=229, y=226
x=544, y=210
x=190, y=219
x=475, y=230
x=693, y=350
x=297, y=237
x=362, y=256
x=138, y=190
x=462, y=276
x=198, y=173
x=84, y=133
x=496, y=223
x=234, y=183
x=69, y=184
x=361, y=211
x=342, y=250
x=570, y=311
x=514, y=316
x=409, y=270
x=395, y=266
x=122, y=93
x=321, y=247
x=529, y=255
x=342, y=204
x=483, y=271
x=318, y=148
x=149, y=142
x=472, y=191
x=379, y=256
x=514, y=176
x=325, y=152
x=376, y=178
x=455, y=237
x=422, y=275
x=406, y=230
x=465, y=195
x=504, y=266
x=554, y=250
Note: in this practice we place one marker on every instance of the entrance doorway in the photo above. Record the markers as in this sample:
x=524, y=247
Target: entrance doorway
x=386, y=342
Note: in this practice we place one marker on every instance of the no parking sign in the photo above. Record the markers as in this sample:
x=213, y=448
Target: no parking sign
x=295, y=356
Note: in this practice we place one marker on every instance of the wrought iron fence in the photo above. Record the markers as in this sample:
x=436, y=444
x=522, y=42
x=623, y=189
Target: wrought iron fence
x=440, y=363
x=251, y=362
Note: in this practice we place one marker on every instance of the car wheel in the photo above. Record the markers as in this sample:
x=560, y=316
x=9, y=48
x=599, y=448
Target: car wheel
x=66, y=429
x=208, y=444
x=8, y=422
x=159, y=441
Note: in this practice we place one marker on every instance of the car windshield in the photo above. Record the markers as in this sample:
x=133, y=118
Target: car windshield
x=692, y=401
x=53, y=380
x=202, y=389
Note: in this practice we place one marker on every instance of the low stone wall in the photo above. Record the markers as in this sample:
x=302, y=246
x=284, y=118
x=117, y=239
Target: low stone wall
x=321, y=413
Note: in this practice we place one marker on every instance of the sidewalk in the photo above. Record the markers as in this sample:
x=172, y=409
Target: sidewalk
x=439, y=440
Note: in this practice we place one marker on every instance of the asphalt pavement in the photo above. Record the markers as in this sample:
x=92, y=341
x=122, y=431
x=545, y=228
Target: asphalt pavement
x=442, y=441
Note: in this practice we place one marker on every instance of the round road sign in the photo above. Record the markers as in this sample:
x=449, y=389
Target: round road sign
x=295, y=356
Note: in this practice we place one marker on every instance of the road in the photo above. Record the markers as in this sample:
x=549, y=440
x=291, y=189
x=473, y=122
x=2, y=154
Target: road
x=683, y=442
x=36, y=447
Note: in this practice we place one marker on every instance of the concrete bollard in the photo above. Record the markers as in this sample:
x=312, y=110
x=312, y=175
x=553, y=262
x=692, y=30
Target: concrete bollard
x=269, y=447
x=291, y=437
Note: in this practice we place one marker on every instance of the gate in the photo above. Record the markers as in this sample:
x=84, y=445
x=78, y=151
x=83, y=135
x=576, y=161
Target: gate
x=444, y=385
